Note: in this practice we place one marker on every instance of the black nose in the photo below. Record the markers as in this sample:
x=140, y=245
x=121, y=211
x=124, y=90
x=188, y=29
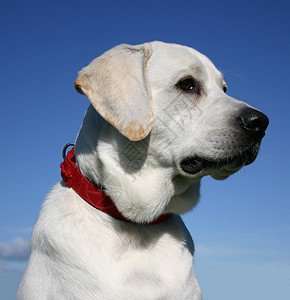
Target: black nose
x=254, y=122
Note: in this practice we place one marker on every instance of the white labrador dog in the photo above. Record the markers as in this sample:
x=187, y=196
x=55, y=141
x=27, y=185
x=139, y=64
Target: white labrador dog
x=159, y=121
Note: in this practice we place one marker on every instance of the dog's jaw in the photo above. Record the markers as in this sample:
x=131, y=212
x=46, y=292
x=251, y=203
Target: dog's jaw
x=145, y=195
x=186, y=200
x=142, y=189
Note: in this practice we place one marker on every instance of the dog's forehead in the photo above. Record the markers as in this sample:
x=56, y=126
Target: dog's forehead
x=172, y=58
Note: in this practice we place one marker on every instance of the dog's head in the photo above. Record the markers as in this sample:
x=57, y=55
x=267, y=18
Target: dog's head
x=169, y=102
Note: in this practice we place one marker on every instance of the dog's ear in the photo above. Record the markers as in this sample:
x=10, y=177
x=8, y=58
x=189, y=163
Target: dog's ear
x=117, y=87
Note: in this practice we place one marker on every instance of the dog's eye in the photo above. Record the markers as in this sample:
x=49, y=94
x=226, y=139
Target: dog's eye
x=189, y=84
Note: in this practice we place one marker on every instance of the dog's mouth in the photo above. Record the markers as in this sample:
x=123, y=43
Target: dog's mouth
x=218, y=168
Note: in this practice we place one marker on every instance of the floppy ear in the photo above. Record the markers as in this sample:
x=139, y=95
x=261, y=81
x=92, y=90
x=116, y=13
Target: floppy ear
x=117, y=87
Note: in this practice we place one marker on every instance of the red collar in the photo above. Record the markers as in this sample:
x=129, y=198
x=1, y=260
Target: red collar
x=91, y=193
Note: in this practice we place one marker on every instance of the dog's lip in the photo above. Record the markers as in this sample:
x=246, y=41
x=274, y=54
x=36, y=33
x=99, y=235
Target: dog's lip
x=192, y=165
x=196, y=165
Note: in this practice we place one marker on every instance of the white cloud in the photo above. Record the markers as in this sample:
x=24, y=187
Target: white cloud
x=15, y=250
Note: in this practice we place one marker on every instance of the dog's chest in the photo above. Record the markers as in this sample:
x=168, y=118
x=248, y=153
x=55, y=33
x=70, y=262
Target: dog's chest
x=94, y=258
x=145, y=265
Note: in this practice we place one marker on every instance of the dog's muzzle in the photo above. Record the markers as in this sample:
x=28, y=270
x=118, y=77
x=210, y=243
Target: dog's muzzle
x=252, y=124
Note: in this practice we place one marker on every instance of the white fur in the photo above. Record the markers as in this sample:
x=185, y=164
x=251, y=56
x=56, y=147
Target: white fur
x=78, y=252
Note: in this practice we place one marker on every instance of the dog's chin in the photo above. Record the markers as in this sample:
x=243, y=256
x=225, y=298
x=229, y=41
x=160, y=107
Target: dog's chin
x=219, y=168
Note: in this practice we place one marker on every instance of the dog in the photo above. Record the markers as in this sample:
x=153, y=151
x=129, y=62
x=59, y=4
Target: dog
x=159, y=120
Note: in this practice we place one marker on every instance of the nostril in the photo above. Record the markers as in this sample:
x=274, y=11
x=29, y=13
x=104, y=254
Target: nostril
x=254, y=122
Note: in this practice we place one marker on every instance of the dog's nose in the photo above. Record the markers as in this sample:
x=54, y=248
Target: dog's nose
x=254, y=122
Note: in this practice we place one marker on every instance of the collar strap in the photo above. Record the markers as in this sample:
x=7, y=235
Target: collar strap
x=73, y=178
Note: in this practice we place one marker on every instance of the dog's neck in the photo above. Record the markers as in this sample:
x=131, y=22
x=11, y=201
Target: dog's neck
x=129, y=173
x=91, y=193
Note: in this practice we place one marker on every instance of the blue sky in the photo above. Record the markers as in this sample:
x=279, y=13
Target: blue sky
x=241, y=226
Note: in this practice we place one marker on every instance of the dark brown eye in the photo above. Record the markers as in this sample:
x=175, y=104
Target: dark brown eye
x=189, y=84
